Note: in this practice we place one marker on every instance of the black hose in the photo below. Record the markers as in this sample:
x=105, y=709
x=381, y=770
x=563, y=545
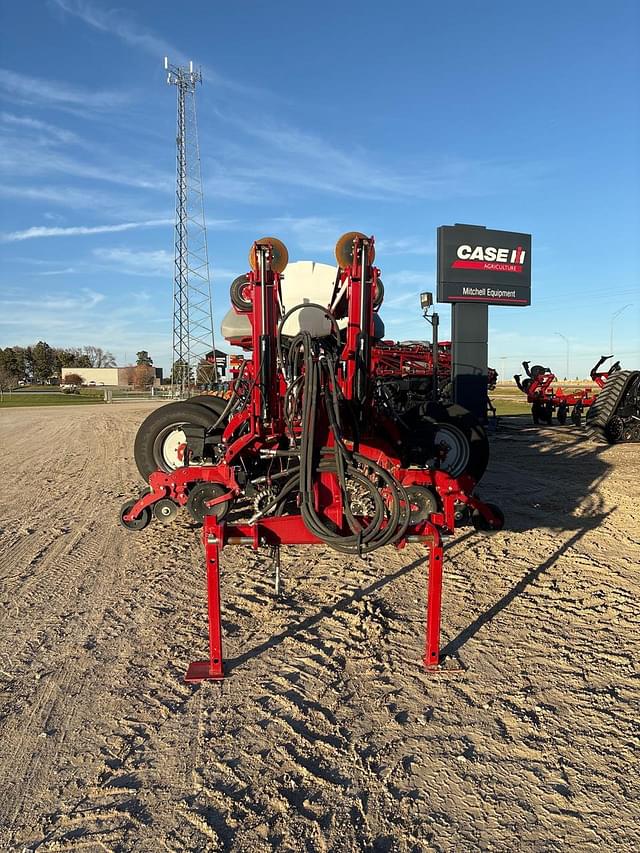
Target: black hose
x=390, y=518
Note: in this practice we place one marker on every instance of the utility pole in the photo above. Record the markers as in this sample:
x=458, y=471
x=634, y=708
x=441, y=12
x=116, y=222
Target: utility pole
x=193, y=339
x=566, y=340
x=613, y=318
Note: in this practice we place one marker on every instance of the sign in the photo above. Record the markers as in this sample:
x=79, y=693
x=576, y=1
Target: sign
x=476, y=264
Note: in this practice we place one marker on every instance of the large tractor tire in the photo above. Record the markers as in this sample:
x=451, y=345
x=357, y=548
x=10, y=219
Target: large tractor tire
x=161, y=438
x=215, y=404
x=463, y=440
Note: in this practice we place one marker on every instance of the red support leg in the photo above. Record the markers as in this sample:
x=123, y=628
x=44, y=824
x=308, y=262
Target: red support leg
x=205, y=670
x=434, y=604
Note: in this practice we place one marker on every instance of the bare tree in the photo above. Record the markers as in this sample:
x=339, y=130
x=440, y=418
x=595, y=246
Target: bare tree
x=8, y=379
x=99, y=357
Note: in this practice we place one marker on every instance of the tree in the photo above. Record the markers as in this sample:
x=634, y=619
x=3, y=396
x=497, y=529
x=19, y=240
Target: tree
x=143, y=375
x=8, y=379
x=143, y=358
x=99, y=357
x=73, y=379
x=71, y=357
x=12, y=365
x=44, y=362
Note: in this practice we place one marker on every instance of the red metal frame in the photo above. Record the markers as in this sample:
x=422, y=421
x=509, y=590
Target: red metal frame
x=601, y=376
x=541, y=390
x=260, y=427
x=290, y=530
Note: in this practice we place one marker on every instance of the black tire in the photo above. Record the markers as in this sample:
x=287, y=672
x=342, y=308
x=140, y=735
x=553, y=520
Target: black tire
x=562, y=415
x=463, y=420
x=238, y=300
x=215, y=404
x=548, y=413
x=147, y=447
x=378, y=296
x=135, y=524
x=535, y=413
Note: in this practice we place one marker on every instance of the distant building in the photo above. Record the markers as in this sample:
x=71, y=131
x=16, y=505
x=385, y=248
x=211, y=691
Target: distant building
x=109, y=376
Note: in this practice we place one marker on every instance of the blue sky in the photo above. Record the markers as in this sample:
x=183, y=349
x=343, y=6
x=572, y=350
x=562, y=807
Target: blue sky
x=316, y=119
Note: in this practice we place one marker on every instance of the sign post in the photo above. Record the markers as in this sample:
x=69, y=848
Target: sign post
x=478, y=267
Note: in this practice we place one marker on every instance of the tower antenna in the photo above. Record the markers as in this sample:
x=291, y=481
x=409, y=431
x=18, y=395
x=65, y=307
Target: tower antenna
x=194, y=360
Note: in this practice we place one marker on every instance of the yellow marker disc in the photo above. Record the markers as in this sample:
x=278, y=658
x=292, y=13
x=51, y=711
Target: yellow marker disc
x=344, y=249
x=279, y=258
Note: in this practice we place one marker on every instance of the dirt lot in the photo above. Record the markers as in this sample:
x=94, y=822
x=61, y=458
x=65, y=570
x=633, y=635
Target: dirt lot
x=327, y=735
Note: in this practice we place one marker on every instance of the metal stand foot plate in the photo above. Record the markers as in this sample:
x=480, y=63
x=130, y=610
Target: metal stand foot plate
x=201, y=670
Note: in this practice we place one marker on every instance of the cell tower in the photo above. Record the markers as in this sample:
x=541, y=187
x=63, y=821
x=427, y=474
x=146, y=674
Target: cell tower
x=193, y=341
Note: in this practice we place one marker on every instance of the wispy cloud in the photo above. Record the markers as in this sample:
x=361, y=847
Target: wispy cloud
x=65, y=271
x=117, y=23
x=406, y=246
x=84, y=300
x=310, y=233
x=289, y=157
x=30, y=159
x=78, y=230
x=151, y=263
x=52, y=131
x=38, y=90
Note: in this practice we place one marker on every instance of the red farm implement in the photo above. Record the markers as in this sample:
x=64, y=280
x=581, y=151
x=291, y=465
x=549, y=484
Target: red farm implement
x=314, y=445
x=545, y=398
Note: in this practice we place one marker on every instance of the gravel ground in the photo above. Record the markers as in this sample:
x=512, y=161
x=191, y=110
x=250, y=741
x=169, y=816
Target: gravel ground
x=327, y=735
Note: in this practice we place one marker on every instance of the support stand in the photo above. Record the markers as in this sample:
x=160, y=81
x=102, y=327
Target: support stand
x=205, y=670
x=434, y=605
x=290, y=530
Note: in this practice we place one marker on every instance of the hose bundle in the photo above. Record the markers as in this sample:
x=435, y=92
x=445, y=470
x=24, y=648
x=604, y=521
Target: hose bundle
x=313, y=394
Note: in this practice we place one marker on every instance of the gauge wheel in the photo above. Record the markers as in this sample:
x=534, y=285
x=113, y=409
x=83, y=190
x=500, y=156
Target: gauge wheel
x=160, y=441
x=138, y=523
x=238, y=294
x=197, y=502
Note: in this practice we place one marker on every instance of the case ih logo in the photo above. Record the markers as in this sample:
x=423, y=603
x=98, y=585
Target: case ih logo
x=489, y=258
x=477, y=264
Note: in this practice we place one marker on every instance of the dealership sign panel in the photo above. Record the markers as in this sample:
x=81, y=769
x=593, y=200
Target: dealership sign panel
x=476, y=264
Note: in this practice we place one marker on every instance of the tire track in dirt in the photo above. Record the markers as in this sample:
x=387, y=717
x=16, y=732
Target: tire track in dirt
x=327, y=735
